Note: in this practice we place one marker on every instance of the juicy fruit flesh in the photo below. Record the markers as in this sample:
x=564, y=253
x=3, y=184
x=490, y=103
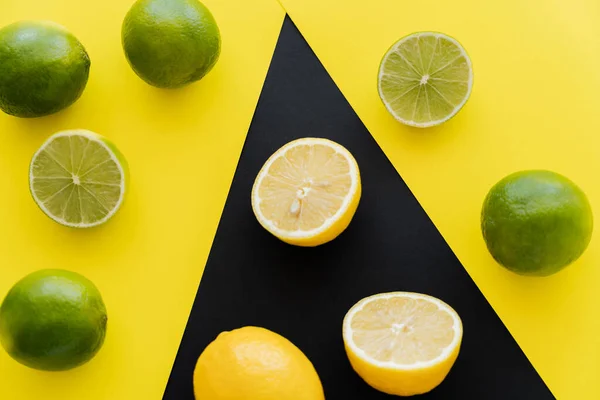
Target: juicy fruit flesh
x=76, y=179
x=402, y=331
x=305, y=187
x=43, y=68
x=536, y=222
x=53, y=320
x=171, y=43
x=425, y=78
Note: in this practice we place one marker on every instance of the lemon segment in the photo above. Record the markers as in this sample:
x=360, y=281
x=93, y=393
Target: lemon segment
x=307, y=192
x=402, y=343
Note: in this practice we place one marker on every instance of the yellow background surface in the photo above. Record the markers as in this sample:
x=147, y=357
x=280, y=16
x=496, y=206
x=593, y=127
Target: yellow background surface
x=534, y=104
x=182, y=147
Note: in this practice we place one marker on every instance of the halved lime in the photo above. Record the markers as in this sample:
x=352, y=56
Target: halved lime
x=425, y=78
x=77, y=178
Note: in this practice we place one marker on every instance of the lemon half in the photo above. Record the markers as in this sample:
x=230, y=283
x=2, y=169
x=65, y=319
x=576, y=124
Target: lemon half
x=402, y=343
x=307, y=192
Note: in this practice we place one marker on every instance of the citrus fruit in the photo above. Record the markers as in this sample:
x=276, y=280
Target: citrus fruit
x=402, y=343
x=78, y=178
x=536, y=222
x=425, y=78
x=43, y=68
x=307, y=192
x=255, y=363
x=170, y=43
x=53, y=320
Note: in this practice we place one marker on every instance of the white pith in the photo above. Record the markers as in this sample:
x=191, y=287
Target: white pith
x=348, y=332
x=456, y=109
x=299, y=234
x=92, y=137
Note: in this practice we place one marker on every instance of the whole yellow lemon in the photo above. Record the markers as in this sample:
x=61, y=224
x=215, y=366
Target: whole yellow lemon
x=255, y=363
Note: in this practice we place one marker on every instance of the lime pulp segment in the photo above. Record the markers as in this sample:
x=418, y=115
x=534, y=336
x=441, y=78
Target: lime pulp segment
x=76, y=178
x=425, y=79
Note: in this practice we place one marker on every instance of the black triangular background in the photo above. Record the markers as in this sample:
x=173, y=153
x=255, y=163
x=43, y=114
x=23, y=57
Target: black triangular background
x=251, y=278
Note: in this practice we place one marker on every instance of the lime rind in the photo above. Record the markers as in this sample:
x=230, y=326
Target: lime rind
x=63, y=174
x=536, y=222
x=44, y=68
x=53, y=320
x=170, y=44
x=423, y=85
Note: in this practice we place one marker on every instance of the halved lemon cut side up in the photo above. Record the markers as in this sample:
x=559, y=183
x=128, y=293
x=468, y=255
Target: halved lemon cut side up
x=402, y=343
x=307, y=192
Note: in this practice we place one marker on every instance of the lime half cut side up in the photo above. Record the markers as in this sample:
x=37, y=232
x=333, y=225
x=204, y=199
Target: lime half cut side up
x=425, y=79
x=77, y=178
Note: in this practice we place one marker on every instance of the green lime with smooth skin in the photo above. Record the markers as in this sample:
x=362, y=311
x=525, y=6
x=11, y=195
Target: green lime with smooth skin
x=170, y=43
x=43, y=68
x=536, y=222
x=53, y=320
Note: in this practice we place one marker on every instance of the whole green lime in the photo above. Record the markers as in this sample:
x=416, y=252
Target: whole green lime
x=53, y=320
x=43, y=68
x=536, y=222
x=170, y=43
